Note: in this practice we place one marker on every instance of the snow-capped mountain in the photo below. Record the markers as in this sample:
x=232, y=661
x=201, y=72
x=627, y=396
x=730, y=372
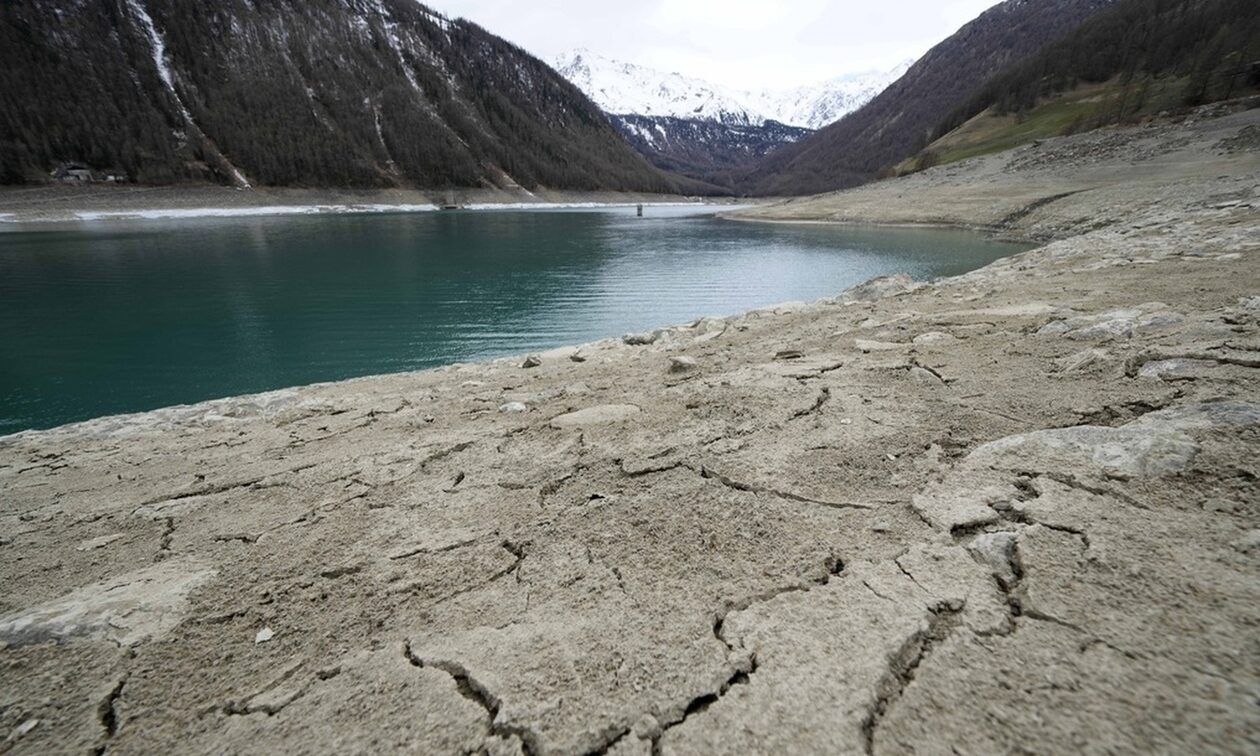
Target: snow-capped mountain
x=704, y=130
x=813, y=106
x=629, y=89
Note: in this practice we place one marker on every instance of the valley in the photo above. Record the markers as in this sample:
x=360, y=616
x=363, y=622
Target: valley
x=380, y=381
x=1033, y=483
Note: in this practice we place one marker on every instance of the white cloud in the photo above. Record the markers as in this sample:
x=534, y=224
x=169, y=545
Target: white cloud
x=741, y=43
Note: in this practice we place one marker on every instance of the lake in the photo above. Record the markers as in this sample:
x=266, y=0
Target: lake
x=122, y=316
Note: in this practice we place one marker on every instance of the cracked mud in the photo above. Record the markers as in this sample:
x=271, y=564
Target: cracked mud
x=1016, y=511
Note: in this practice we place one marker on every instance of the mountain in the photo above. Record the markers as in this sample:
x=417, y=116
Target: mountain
x=628, y=89
x=348, y=93
x=896, y=123
x=703, y=130
x=1135, y=59
x=814, y=106
x=705, y=150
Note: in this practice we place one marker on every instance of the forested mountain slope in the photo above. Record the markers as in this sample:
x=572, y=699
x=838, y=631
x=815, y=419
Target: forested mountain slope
x=1149, y=55
x=347, y=93
x=898, y=122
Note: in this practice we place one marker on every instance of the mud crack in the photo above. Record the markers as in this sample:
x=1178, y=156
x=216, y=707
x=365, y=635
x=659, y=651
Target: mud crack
x=107, y=714
x=710, y=474
x=823, y=397
x=903, y=666
x=473, y=690
x=168, y=534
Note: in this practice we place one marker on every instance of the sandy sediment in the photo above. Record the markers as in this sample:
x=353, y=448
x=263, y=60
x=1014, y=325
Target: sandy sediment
x=1013, y=511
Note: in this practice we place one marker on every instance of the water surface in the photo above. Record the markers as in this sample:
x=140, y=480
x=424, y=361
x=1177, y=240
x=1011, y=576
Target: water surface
x=120, y=316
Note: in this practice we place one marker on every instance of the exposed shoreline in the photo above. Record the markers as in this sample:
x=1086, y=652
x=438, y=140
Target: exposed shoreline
x=1015, y=506
x=59, y=204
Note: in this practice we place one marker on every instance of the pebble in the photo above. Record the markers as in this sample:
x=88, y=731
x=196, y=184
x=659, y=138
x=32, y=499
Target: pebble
x=264, y=635
x=998, y=551
x=513, y=407
x=925, y=377
x=881, y=527
x=682, y=364
x=640, y=339
x=23, y=729
x=532, y=361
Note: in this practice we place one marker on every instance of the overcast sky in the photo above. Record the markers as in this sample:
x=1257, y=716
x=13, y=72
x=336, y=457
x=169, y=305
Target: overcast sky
x=741, y=43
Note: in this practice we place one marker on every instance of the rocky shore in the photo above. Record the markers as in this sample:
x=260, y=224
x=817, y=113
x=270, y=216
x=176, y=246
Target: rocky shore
x=1013, y=511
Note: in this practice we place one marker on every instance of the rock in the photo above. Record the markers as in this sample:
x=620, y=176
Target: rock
x=881, y=527
x=682, y=364
x=997, y=550
x=1126, y=452
x=1107, y=330
x=1249, y=542
x=934, y=337
x=97, y=543
x=599, y=415
x=708, y=329
x=1081, y=361
x=509, y=407
x=577, y=357
x=867, y=345
x=532, y=361
x=1226, y=506
x=925, y=377
x=1202, y=416
x=1114, y=324
x=264, y=635
x=22, y=730
x=1054, y=328
x=788, y=308
x=1175, y=369
x=789, y=354
x=877, y=288
x=641, y=339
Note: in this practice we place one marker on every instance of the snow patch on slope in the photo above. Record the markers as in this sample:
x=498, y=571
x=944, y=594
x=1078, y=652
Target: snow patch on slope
x=157, y=46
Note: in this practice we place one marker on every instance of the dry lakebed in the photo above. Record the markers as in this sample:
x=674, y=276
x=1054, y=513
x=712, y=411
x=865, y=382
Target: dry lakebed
x=1014, y=511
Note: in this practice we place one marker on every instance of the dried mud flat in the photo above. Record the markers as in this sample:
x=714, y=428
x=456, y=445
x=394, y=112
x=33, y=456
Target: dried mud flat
x=1013, y=511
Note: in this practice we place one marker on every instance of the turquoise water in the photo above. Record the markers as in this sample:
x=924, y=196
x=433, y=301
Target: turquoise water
x=122, y=316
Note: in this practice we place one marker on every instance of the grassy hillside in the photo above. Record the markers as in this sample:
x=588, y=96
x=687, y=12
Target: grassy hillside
x=896, y=123
x=1137, y=59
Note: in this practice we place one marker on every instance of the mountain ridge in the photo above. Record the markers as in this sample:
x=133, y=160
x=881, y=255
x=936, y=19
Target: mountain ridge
x=622, y=88
x=317, y=93
x=896, y=123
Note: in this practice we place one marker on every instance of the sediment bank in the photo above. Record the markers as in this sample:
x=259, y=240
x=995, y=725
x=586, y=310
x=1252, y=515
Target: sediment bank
x=59, y=203
x=1013, y=510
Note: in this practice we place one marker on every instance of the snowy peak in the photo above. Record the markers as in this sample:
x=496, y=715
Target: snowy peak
x=625, y=88
x=817, y=105
x=629, y=89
